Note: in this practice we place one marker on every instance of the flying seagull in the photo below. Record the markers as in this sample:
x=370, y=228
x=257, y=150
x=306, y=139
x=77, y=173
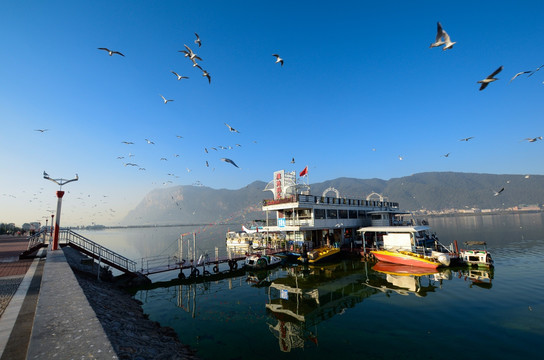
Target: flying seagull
x=497, y=193
x=439, y=34
x=127, y=142
x=205, y=73
x=190, y=53
x=41, y=130
x=111, y=52
x=446, y=155
x=518, y=74
x=292, y=160
x=165, y=101
x=467, y=139
x=231, y=128
x=197, y=41
x=150, y=142
x=534, y=139
x=489, y=79
x=229, y=161
x=278, y=59
x=178, y=75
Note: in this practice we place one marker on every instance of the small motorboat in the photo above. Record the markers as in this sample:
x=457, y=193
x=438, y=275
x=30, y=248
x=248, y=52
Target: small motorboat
x=322, y=254
x=477, y=257
x=259, y=261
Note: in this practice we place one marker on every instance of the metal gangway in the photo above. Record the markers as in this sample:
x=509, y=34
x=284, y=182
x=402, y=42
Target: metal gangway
x=96, y=251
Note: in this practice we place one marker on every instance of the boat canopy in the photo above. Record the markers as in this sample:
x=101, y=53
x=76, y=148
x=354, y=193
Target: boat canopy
x=394, y=229
x=475, y=243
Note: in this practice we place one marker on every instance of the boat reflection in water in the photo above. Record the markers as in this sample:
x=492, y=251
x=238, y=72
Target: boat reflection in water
x=406, y=280
x=479, y=277
x=310, y=295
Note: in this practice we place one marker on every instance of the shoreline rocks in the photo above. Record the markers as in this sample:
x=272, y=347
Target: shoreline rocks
x=132, y=335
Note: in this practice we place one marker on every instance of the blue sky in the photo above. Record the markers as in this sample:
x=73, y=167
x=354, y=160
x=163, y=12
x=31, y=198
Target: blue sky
x=359, y=88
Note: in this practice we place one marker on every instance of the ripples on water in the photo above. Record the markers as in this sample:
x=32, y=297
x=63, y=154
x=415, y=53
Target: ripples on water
x=349, y=310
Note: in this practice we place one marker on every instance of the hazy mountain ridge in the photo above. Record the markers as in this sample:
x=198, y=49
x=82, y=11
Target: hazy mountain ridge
x=187, y=204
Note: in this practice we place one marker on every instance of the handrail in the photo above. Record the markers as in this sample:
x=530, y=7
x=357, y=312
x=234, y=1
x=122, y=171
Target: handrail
x=34, y=240
x=70, y=236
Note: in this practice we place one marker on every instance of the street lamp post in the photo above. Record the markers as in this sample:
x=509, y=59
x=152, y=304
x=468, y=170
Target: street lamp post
x=60, y=194
x=52, y=217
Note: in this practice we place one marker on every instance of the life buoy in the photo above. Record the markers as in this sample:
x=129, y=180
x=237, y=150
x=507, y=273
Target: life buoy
x=215, y=269
x=195, y=272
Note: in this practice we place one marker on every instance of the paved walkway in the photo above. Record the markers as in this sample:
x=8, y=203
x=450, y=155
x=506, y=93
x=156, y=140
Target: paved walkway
x=12, y=270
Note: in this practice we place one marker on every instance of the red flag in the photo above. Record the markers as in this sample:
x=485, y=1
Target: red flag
x=304, y=172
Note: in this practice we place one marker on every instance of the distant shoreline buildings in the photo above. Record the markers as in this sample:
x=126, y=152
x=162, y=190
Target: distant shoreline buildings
x=523, y=208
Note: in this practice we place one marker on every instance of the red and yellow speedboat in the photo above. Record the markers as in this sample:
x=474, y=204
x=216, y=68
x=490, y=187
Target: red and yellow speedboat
x=406, y=258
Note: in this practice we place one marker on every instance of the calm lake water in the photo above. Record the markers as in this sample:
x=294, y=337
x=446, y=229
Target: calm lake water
x=350, y=310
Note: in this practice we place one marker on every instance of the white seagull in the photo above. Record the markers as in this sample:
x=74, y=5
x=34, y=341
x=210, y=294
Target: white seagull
x=111, y=52
x=165, y=101
x=278, y=59
x=231, y=128
x=178, y=75
x=489, y=79
x=229, y=161
x=150, y=142
x=197, y=41
x=533, y=139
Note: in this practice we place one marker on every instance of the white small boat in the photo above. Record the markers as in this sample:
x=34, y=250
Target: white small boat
x=476, y=257
x=259, y=261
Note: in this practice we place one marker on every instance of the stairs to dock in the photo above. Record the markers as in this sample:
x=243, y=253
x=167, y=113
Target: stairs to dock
x=97, y=251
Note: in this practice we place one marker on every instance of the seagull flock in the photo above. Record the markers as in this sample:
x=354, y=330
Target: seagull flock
x=442, y=39
x=196, y=60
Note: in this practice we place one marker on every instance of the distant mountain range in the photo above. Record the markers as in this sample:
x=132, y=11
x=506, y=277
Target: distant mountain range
x=431, y=190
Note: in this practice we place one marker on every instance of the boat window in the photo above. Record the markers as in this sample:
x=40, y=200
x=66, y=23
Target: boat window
x=332, y=214
x=319, y=213
x=362, y=214
x=352, y=214
x=376, y=216
x=343, y=214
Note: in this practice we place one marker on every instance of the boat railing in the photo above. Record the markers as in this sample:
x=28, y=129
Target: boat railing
x=313, y=199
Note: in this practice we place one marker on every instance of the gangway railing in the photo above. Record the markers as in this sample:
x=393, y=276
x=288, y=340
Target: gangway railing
x=97, y=251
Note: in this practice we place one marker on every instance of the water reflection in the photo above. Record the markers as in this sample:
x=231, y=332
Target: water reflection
x=308, y=295
x=406, y=280
x=477, y=277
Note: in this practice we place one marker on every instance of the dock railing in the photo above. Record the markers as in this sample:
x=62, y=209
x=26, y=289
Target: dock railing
x=97, y=251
